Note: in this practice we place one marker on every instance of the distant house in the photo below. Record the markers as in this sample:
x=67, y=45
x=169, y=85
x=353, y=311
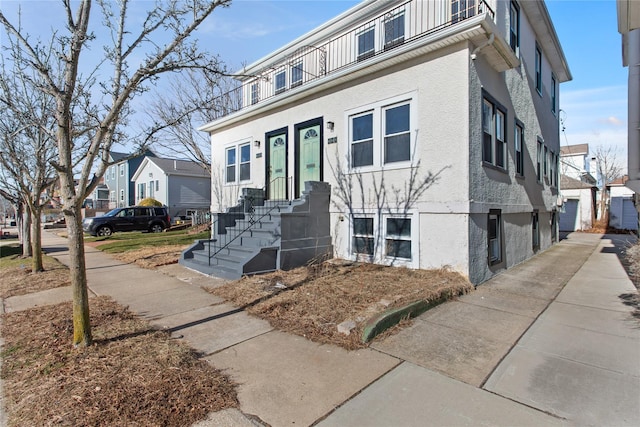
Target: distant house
x=389, y=92
x=183, y=186
x=623, y=213
x=576, y=163
x=578, y=204
x=118, y=177
x=578, y=188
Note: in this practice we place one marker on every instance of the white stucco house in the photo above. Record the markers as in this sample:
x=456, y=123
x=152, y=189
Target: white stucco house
x=435, y=123
x=183, y=186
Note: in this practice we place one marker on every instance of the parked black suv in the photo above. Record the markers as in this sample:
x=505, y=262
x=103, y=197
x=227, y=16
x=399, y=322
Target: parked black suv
x=133, y=218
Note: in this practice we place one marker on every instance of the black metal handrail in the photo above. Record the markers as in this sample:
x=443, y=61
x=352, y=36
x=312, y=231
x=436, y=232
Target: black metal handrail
x=225, y=225
x=309, y=63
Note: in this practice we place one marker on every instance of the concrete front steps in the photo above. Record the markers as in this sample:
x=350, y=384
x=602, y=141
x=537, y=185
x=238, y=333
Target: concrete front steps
x=274, y=235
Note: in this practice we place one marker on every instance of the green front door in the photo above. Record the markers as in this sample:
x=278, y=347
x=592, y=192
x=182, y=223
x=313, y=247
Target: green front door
x=309, y=154
x=277, y=166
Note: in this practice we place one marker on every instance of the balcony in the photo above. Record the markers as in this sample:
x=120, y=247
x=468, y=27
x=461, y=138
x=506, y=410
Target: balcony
x=413, y=28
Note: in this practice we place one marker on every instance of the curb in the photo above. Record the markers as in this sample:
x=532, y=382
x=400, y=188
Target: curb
x=392, y=317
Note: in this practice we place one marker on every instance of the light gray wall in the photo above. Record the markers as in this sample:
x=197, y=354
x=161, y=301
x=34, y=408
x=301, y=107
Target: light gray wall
x=188, y=193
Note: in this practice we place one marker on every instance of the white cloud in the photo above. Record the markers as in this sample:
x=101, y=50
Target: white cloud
x=596, y=116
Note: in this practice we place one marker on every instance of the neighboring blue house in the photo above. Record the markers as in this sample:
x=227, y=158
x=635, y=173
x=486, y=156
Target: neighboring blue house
x=118, y=178
x=182, y=185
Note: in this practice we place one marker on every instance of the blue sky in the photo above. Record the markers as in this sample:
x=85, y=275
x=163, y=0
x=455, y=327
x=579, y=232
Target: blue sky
x=593, y=104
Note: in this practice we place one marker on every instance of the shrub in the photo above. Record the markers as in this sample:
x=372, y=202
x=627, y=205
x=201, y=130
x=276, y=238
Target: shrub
x=149, y=201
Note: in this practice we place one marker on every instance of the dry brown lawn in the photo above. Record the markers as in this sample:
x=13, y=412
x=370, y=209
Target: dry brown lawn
x=131, y=375
x=17, y=278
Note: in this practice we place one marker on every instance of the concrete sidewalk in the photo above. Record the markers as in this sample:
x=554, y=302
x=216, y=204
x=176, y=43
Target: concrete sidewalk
x=524, y=349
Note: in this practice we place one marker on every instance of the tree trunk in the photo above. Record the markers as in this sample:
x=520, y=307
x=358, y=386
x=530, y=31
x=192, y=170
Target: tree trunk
x=78, y=275
x=25, y=231
x=36, y=240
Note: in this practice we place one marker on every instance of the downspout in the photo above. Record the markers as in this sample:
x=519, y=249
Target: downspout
x=482, y=46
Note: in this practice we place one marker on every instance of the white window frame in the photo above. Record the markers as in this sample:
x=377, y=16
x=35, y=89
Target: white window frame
x=276, y=77
x=254, y=93
x=152, y=189
x=379, y=237
x=386, y=135
x=396, y=237
x=297, y=67
x=122, y=195
x=237, y=166
x=395, y=41
x=122, y=170
x=377, y=110
x=141, y=187
x=366, y=54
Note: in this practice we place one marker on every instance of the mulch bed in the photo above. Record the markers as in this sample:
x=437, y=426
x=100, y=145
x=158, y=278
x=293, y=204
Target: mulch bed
x=312, y=301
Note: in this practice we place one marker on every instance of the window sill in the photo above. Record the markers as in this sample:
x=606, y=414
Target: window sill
x=494, y=167
x=386, y=167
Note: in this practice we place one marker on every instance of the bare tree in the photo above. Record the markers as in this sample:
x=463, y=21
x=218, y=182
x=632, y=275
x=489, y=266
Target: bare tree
x=136, y=55
x=368, y=194
x=192, y=99
x=609, y=169
x=27, y=144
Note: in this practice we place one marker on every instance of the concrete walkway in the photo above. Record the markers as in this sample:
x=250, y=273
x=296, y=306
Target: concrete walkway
x=548, y=342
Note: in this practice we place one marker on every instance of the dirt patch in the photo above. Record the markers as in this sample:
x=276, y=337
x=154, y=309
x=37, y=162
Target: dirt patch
x=20, y=280
x=151, y=257
x=131, y=375
x=312, y=301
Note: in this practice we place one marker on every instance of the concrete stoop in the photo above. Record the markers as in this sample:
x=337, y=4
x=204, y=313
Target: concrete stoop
x=262, y=235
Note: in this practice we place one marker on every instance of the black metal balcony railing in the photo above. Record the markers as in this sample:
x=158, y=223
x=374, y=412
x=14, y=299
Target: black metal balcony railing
x=410, y=21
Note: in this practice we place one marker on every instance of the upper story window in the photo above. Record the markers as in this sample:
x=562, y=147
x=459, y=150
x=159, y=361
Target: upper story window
x=296, y=74
x=553, y=94
x=393, y=30
x=381, y=134
x=518, y=145
x=255, y=94
x=397, y=138
x=514, y=27
x=362, y=140
x=281, y=81
x=113, y=172
x=494, y=144
x=462, y=9
x=538, y=69
x=122, y=170
x=366, y=43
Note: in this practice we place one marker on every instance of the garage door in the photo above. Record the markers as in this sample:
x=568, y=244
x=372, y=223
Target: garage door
x=569, y=217
x=629, y=215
